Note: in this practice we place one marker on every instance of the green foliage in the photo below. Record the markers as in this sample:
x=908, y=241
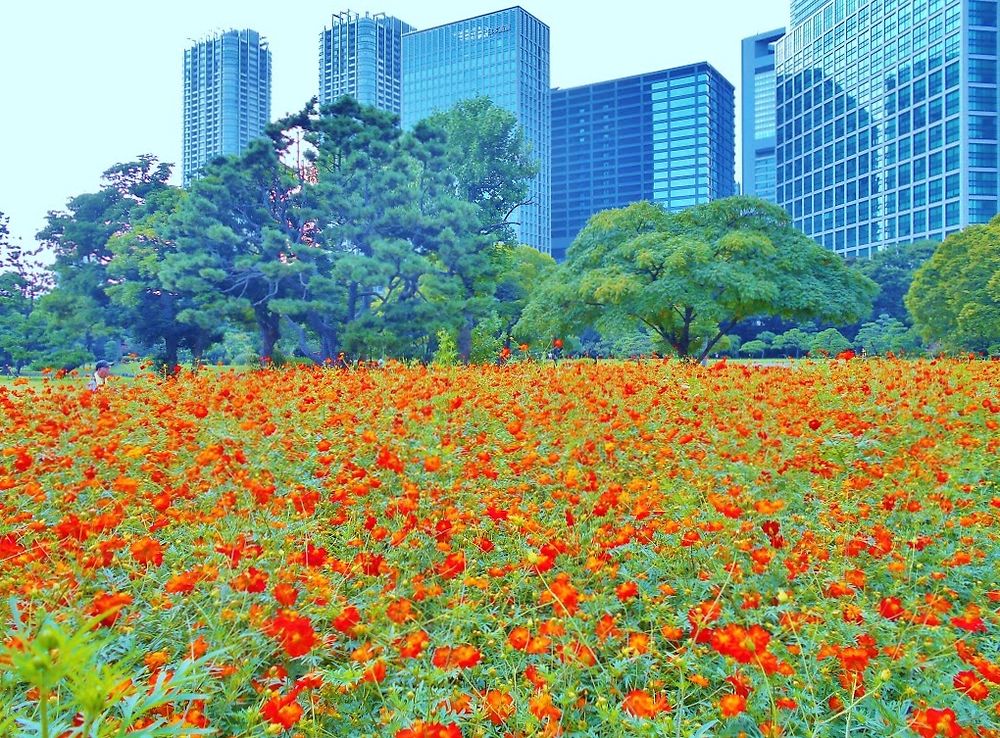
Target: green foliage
x=753, y=347
x=447, y=350
x=793, y=340
x=955, y=296
x=892, y=269
x=84, y=684
x=885, y=335
x=829, y=343
x=490, y=160
x=690, y=277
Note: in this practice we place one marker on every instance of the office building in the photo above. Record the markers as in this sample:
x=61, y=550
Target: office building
x=503, y=56
x=227, y=96
x=666, y=136
x=886, y=121
x=361, y=56
x=802, y=9
x=757, y=115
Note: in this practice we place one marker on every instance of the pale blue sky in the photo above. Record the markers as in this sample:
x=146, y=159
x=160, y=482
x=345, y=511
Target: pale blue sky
x=88, y=84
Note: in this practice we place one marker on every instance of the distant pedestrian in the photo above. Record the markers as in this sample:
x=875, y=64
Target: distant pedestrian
x=100, y=376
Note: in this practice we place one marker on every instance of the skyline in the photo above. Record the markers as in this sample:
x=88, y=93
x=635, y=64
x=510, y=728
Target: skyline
x=104, y=83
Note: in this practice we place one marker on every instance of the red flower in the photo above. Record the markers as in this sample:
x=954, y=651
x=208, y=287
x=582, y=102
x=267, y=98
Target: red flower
x=932, y=722
x=347, y=619
x=109, y=606
x=283, y=710
x=971, y=685
x=891, y=608
x=420, y=729
x=294, y=632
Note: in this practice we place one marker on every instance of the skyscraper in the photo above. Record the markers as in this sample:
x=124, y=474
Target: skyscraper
x=758, y=114
x=504, y=56
x=802, y=9
x=666, y=136
x=887, y=121
x=361, y=56
x=227, y=96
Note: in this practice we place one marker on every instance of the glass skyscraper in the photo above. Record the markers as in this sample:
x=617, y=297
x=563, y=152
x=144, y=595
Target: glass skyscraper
x=503, y=56
x=887, y=121
x=758, y=115
x=802, y=9
x=227, y=96
x=666, y=136
x=361, y=56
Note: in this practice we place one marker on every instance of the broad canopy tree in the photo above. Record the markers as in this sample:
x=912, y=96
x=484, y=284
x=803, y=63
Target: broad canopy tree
x=690, y=277
x=955, y=296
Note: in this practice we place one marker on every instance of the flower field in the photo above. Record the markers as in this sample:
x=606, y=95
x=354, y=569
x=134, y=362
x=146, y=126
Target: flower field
x=613, y=549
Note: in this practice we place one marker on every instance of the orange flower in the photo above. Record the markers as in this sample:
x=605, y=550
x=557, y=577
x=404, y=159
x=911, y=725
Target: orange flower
x=285, y=594
x=108, y=606
x=732, y=705
x=498, y=706
x=640, y=703
x=147, y=551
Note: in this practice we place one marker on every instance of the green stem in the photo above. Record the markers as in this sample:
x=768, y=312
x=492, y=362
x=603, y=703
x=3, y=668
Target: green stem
x=43, y=707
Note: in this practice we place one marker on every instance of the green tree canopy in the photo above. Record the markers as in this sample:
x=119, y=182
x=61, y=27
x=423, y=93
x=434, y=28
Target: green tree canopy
x=892, y=269
x=955, y=296
x=690, y=277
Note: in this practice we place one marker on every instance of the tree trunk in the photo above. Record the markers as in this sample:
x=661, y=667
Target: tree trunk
x=171, y=347
x=267, y=323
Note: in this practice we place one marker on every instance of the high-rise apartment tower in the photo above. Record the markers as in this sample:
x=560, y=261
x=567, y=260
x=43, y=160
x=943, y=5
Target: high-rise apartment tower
x=361, y=56
x=227, y=96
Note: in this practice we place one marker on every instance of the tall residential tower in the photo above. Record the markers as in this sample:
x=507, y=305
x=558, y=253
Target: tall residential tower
x=227, y=96
x=758, y=114
x=666, y=136
x=887, y=121
x=361, y=56
x=505, y=57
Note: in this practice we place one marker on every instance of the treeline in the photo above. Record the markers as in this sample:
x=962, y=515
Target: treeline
x=339, y=235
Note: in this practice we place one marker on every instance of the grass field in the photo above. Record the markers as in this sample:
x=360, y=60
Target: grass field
x=611, y=549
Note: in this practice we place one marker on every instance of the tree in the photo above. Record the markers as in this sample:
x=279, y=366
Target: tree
x=886, y=334
x=489, y=166
x=691, y=277
x=231, y=236
x=892, y=269
x=955, y=296
x=755, y=346
x=152, y=310
x=793, y=338
x=829, y=343
x=522, y=269
x=490, y=160
x=81, y=312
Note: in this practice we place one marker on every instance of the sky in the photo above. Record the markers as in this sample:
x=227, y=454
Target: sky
x=85, y=85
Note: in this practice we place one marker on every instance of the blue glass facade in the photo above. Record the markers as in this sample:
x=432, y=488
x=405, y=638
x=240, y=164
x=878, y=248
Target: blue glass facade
x=666, y=136
x=504, y=56
x=227, y=96
x=362, y=56
x=758, y=116
x=802, y=9
x=887, y=121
